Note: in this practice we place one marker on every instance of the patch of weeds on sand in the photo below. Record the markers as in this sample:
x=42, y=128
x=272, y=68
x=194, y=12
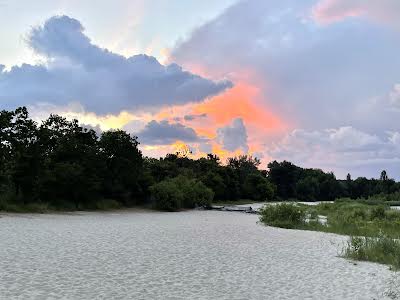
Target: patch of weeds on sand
x=374, y=230
x=381, y=249
x=283, y=215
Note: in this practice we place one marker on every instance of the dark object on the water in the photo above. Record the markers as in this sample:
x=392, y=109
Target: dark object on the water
x=245, y=209
x=238, y=208
x=217, y=207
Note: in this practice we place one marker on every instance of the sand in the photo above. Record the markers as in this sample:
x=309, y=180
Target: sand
x=185, y=255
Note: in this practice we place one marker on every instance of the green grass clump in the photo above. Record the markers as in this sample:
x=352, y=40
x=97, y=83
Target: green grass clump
x=355, y=218
x=381, y=249
x=374, y=228
x=283, y=215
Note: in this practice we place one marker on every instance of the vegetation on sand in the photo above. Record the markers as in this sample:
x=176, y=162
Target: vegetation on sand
x=381, y=249
x=374, y=228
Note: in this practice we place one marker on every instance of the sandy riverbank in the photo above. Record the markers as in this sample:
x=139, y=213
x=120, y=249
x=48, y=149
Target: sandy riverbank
x=185, y=255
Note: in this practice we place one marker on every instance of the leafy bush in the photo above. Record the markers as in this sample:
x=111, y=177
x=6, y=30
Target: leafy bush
x=283, y=215
x=196, y=193
x=180, y=192
x=166, y=195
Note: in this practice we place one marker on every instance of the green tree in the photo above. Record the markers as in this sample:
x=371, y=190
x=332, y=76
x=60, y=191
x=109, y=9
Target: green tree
x=308, y=189
x=285, y=176
x=22, y=140
x=257, y=187
x=73, y=168
x=124, y=165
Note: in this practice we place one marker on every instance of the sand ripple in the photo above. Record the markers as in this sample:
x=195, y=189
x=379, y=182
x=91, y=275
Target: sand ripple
x=187, y=255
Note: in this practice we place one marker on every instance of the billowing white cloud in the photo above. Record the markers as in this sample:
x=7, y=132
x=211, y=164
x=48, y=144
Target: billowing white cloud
x=233, y=136
x=382, y=11
x=344, y=149
x=76, y=70
x=349, y=139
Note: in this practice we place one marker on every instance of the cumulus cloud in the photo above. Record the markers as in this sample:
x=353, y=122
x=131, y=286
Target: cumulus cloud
x=303, y=69
x=164, y=133
x=312, y=77
x=383, y=11
x=343, y=149
x=233, y=136
x=77, y=70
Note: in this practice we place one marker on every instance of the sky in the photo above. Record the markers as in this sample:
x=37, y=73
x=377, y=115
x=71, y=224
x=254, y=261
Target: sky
x=315, y=82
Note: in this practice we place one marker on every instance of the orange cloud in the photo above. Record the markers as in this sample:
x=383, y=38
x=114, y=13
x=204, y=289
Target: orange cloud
x=245, y=100
x=239, y=102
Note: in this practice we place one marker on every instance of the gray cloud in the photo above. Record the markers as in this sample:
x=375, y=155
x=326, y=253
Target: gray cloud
x=233, y=136
x=104, y=82
x=205, y=147
x=314, y=75
x=344, y=149
x=164, y=133
x=194, y=117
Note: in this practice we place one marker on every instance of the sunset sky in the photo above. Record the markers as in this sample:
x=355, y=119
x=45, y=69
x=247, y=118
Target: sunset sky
x=315, y=82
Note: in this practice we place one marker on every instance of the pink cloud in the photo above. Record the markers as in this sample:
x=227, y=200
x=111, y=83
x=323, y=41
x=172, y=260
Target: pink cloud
x=330, y=11
x=381, y=11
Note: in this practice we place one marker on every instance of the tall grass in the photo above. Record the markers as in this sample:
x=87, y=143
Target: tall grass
x=346, y=218
x=374, y=230
x=353, y=218
x=381, y=249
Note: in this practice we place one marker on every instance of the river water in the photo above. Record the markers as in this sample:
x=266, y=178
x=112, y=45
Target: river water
x=185, y=255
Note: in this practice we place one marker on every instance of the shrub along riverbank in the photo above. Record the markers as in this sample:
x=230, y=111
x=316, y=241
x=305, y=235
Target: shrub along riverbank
x=374, y=229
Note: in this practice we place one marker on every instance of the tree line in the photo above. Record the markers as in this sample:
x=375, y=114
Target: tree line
x=63, y=165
